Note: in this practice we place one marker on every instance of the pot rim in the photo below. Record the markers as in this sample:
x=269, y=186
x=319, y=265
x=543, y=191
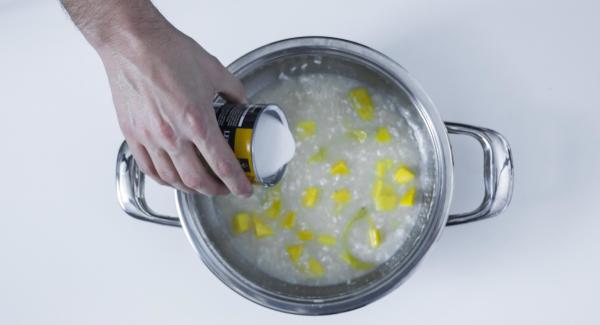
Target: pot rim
x=439, y=210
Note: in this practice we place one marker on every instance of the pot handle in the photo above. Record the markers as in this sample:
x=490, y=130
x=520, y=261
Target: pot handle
x=497, y=172
x=130, y=190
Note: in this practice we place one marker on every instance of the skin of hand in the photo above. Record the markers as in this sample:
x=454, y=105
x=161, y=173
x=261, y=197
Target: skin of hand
x=163, y=84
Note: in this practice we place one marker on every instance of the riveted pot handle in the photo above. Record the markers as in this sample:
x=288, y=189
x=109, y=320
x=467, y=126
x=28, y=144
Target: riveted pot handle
x=130, y=190
x=497, y=172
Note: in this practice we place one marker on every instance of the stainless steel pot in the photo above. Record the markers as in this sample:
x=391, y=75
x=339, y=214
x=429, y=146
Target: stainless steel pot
x=259, y=69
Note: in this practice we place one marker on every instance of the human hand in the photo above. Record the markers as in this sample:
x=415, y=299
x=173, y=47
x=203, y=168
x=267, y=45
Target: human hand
x=163, y=84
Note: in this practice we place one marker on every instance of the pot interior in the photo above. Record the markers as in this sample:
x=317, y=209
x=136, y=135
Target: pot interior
x=210, y=232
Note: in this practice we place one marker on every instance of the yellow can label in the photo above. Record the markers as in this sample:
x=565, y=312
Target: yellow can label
x=237, y=123
x=242, y=148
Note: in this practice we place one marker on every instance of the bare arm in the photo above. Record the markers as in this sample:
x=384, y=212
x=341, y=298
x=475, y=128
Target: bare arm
x=163, y=84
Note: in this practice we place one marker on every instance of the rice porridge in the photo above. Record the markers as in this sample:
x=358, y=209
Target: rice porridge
x=350, y=195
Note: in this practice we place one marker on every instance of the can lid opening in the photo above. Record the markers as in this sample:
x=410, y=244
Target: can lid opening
x=274, y=145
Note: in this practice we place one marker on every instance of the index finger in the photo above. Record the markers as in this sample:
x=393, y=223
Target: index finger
x=219, y=156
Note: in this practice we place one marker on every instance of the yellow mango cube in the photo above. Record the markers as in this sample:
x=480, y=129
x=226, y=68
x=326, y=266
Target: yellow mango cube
x=383, y=135
x=295, y=252
x=341, y=196
x=358, y=135
x=361, y=102
x=315, y=267
x=274, y=209
x=306, y=129
x=241, y=222
x=311, y=195
x=261, y=229
x=318, y=156
x=382, y=166
x=374, y=237
x=408, y=198
x=327, y=240
x=403, y=175
x=340, y=168
x=384, y=196
x=305, y=235
x=288, y=220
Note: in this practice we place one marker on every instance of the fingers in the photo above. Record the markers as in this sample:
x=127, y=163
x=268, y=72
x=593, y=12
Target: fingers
x=178, y=164
x=182, y=170
x=231, y=88
x=142, y=158
x=166, y=169
x=220, y=157
x=193, y=174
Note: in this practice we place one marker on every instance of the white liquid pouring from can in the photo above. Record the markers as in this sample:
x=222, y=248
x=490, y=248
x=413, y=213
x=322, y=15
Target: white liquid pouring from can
x=260, y=138
x=274, y=145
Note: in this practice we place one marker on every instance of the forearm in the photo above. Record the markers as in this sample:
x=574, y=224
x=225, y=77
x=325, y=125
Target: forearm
x=114, y=24
x=163, y=84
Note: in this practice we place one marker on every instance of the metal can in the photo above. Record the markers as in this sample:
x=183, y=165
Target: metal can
x=238, y=124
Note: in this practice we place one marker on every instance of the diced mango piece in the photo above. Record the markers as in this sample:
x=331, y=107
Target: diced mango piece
x=295, y=252
x=274, y=209
x=408, y=198
x=306, y=129
x=358, y=135
x=382, y=166
x=355, y=262
x=374, y=237
x=305, y=235
x=318, y=156
x=340, y=168
x=241, y=222
x=341, y=196
x=327, y=240
x=315, y=267
x=403, y=175
x=261, y=229
x=311, y=195
x=384, y=196
x=383, y=135
x=288, y=220
x=361, y=101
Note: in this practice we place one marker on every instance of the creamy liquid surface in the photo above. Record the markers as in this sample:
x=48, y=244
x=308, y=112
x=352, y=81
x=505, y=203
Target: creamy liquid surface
x=368, y=236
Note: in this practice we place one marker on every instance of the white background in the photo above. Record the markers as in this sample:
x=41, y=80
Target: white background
x=529, y=69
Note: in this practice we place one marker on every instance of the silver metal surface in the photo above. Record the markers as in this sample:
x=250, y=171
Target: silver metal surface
x=200, y=219
x=130, y=190
x=497, y=172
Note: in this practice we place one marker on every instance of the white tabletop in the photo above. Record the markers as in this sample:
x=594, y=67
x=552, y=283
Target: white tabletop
x=528, y=69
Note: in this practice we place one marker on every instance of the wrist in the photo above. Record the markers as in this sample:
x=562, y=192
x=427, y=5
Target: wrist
x=125, y=30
